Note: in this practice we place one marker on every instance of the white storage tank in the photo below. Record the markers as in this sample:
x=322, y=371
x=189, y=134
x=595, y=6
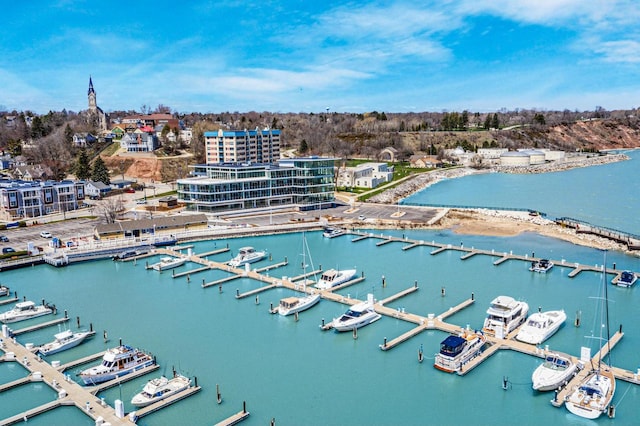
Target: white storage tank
x=515, y=159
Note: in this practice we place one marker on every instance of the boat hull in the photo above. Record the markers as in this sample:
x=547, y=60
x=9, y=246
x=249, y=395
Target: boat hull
x=170, y=388
x=94, y=379
x=590, y=405
x=367, y=319
x=342, y=277
x=7, y=319
x=54, y=348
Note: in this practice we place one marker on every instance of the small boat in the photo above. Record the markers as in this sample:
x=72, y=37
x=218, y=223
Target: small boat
x=160, y=388
x=128, y=254
x=291, y=305
x=555, y=371
x=504, y=315
x=333, y=232
x=4, y=290
x=542, y=266
x=456, y=350
x=25, y=310
x=117, y=362
x=540, y=326
x=63, y=341
x=357, y=316
x=626, y=279
x=169, y=262
x=333, y=277
x=247, y=255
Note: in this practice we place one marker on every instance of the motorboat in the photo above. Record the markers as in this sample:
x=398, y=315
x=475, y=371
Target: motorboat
x=504, y=315
x=25, y=310
x=128, y=254
x=169, y=262
x=291, y=305
x=333, y=277
x=247, y=255
x=626, y=279
x=556, y=370
x=63, y=341
x=542, y=266
x=333, y=232
x=4, y=290
x=357, y=316
x=594, y=394
x=160, y=388
x=458, y=349
x=540, y=326
x=117, y=362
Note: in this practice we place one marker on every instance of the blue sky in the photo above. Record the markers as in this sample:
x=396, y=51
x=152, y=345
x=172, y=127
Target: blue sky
x=306, y=56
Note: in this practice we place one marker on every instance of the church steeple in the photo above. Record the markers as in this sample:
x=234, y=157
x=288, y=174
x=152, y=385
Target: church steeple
x=93, y=105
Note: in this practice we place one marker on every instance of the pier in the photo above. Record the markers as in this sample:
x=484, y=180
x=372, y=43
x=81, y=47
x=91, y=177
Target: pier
x=40, y=326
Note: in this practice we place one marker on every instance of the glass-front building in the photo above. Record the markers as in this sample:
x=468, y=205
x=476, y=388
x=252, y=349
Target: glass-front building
x=305, y=183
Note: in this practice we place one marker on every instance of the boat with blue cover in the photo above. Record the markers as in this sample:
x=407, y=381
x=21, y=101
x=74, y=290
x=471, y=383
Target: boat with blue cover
x=458, y=349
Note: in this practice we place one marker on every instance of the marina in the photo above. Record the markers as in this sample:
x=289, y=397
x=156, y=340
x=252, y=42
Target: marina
x=397, y=374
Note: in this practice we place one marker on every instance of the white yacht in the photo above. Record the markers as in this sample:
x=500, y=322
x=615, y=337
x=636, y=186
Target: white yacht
x=542, y=266
x=333, y=277
x=63, y=341
x=117, y=362
x=555, y=371
x=25, y=310
x=169, y=262
x=504, y=315
x=626, y=279
x=247, y=255
x=458, y=349
x=4, y=290
x=333, y=232
x=160, y=388
x=357, y=316
x=540, y=326
x=291, y=305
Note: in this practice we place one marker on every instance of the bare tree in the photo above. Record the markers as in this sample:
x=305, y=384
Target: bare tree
x=109, y=208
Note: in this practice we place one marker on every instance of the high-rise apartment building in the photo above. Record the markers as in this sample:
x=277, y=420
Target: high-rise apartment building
x=242, y=146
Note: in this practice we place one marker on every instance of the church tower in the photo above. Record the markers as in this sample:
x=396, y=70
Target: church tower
x=93, y=105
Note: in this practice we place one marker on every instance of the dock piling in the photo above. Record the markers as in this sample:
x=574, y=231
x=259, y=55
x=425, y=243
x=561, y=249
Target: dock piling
x=77, y=319
x=355, y=333
x=442, y=292
x=258, y=300
x=218, y=394
x=420, y=354
x=577, y=320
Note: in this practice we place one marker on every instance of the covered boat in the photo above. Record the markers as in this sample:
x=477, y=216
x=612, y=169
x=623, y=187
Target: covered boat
x=540, y=326
x=117, y=362
x=555, y=371
x=542, y=266
x=25, y=310
x=504, y=315
x=291, y=305
x=457, y=350
x=357, y=316
x=160, y=388
x=169, y=262
x=63, y=341
x=333, y=232
x=247, y=255
x=626, y=279
x=333, y=277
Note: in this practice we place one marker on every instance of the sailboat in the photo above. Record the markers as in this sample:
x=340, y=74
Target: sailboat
x=595, y=393
x=295, y=304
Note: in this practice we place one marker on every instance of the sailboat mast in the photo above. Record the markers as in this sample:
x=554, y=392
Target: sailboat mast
x=606, y=304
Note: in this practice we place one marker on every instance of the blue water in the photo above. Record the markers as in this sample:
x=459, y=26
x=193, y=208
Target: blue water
x=297, y=374
x=607, y=195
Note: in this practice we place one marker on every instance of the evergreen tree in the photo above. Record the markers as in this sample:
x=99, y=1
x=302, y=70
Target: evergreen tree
x=100, y=172
x=68, y=135
x=487, y=122
x=82, y=168
x=495, y=122
x=303, y=146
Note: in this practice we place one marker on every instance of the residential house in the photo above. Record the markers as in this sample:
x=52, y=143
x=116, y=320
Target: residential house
x=81, y=140
x=366, y=175
x=139, y=142
x=425, y=161
x=96, y=189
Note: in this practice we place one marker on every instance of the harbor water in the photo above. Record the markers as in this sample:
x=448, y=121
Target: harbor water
x=292, y=373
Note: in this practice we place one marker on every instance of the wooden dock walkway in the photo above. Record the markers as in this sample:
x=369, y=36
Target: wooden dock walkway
x=254, y=291
x=23, y=417
x=81, y=361
x=220, y=281
x=396, y=296
x=236, y=418
x=214, y=252
x=192, y=271
x=7, y=301
x=270, y=267
x=18, y=382
x=308, y=274
x=40, y=326
x=410, y=246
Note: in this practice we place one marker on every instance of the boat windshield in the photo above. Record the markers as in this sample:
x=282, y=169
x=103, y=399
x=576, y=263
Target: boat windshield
x=556, y=363
x=591, y=391
x=351, y=314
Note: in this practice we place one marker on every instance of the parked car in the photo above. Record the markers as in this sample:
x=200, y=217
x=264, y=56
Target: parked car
x=4, y=239
x=361, y=217
x=130, y=190
x=6, y=250
x=46, y=234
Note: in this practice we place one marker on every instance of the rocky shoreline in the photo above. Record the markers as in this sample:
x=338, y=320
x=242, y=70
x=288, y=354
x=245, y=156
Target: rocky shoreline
x=424, y=180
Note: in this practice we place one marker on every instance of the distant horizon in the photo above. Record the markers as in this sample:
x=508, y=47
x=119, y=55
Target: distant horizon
x=283, y=57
